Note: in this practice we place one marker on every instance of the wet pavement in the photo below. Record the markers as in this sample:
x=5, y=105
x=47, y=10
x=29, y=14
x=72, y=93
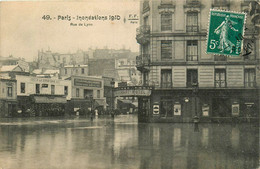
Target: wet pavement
x=122, y=143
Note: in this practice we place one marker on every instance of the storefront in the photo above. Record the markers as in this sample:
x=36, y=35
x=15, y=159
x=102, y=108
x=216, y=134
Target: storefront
x=223, y=105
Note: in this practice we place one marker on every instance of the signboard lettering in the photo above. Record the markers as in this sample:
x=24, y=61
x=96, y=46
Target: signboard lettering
x=87, y=83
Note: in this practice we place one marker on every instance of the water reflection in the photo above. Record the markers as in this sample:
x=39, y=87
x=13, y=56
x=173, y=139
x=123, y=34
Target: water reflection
x=123, y=143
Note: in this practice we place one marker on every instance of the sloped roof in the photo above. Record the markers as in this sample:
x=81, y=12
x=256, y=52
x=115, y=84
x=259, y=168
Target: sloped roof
x=9, y=68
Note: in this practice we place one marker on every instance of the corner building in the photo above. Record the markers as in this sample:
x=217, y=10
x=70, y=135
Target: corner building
x=186, y=81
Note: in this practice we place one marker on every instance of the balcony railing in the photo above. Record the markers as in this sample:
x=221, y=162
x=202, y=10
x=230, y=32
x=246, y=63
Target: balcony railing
x=144, y=29
x=192, y=28
x=143, y=60
x=251, y=84
x=142, y=34
x=192, y=57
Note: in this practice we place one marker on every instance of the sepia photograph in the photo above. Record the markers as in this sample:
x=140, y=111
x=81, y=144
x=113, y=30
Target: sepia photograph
x=129, y=84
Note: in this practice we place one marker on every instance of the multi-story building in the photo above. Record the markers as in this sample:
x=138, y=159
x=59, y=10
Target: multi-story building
x=51, y=60
x=8, y=98
x=14, y=61
x=86, y=93
x=42, y=96
x=186, y=81
x=74, y=70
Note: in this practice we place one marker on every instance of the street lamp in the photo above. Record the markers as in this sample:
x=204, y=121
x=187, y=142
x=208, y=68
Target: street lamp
x=196, y=118
x=112, y=87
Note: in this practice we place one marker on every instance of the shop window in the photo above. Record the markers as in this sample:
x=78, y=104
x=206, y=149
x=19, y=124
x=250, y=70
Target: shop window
x=192, y=50
x=166, y=49
x=37, y=88
x=9, y=91
x=77, y=92
x=192, y=22
x=220, y=78
x=192, y=77
x=22, y=87
x=52, y=89
x=250, y=79
x=166, y=22
x=66, y=90
x=166, y=78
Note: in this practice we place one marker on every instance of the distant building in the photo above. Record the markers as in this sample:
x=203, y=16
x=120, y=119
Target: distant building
x=48, y=59
x=74, y=70
x=5, y=61
x=12, y=70
x=8, y=97
x=102, y=67
x=47, y=73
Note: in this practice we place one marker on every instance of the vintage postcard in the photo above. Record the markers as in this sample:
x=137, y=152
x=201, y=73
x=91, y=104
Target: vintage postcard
x=129, y=84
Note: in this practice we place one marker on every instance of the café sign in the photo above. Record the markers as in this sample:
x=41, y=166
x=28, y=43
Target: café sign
x=132, y=91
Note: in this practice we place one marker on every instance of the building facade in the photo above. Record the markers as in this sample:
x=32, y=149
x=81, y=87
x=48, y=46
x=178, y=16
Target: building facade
x=42, y=96
x=87, y=93
x=186, y=81
x=8, y=98
x=73, y=70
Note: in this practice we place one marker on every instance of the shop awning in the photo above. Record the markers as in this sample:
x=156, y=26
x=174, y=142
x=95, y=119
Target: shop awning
x=100, y=103
x=49, y=99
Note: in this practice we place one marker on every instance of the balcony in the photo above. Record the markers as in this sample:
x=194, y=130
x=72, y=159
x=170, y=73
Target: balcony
x=142, y=34
x=142, y=61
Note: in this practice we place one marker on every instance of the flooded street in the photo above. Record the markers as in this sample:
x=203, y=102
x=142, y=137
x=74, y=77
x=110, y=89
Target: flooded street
x=123, y=143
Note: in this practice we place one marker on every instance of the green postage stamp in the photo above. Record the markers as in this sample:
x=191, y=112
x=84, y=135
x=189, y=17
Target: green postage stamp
x=225, y=33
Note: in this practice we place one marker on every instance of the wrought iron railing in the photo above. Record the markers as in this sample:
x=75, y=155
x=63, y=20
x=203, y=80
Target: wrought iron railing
x=143, y=60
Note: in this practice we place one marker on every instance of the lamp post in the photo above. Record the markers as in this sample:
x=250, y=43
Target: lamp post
x=112, y=95
x=196, y=118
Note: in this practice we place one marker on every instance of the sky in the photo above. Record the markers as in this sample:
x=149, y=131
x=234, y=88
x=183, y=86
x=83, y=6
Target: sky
x=25, y=26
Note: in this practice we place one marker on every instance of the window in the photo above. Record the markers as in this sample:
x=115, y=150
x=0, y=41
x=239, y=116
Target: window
x=192, y=22
x=66, y=90
x=52, y=89
x=192, y=50
x=22, y=87
x=250, y=79
x=82, y=70
x=37, y=88
x=166, y=78
x=166, y=22
x=76, y=71
x=66, y=71
x=98, y=93
x=77, y=92
x=220, y=78
x=166, y=49
x=192, y=77
x=9, y=91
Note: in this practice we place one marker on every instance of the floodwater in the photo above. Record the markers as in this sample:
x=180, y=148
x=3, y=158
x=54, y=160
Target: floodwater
x=122, y=143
